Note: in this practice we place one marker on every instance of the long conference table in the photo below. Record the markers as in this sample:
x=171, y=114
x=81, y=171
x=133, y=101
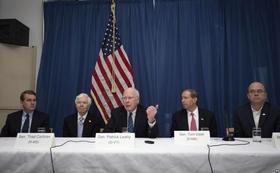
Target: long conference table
x=162, y=156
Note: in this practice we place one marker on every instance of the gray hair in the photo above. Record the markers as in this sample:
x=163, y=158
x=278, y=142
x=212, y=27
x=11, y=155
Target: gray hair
x=134, y=90
x=83, y=95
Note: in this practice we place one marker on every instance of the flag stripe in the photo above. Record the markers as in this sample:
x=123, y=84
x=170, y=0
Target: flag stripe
x=104, y=94
x=118, y=78
x=122, y=62
x=108, y=69
x=99, y=105
x=102, y=99
x=121, y=73
x=108, y=82
x=125, y=60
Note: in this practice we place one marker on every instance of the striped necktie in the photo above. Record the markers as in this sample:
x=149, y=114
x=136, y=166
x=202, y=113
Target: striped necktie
x=80, y=127
x=130, y=123
x=193, y=123
x=25, y=126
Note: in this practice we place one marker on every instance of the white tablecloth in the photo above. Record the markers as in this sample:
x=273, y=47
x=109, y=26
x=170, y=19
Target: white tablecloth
x=162, y=156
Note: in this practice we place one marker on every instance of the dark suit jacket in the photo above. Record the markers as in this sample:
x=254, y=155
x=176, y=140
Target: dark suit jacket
x=244, y=122
x=206, y=119
x=118, y=120
x=91, y=126
x=13, y=123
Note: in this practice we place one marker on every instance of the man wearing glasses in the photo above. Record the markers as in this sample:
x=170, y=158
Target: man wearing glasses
x=257, y=113
x=133, y=117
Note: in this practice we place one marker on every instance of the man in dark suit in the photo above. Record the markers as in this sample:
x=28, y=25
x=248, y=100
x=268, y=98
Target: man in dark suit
x=191, y=117
x=82, y=123
x=257, y=113
x=133, y=116
x=27, y=120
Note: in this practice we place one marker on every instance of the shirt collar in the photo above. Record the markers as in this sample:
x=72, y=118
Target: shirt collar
x=84, y=116
x=30, y=114
x=195, y=112
x=253, y=110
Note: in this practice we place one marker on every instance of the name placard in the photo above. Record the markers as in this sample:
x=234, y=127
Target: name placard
x=34, y=140
x=191, y=137
x=113, y=140
x=276, y=139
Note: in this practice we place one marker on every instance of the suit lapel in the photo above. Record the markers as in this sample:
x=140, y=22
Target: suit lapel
x=74, y=124
x=122, y=119
x=201, y=121
x=18, y=121
x=34, y=122
x=264, y=114
x=250, y=117
x=87, y=125
x=137, y=119
x=184, y=120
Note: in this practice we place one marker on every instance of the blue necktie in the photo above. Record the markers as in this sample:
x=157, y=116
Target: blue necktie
x=80, y=127
x=130, y=123
x=25, y=124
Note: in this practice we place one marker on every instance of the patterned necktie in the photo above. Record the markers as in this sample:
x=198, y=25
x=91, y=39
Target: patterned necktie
x=80, y=126
x=130, y=123
x=25, y=124
x=193, y=124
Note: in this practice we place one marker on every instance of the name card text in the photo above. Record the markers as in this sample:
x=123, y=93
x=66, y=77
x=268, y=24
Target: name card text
x=115, y=140
x=34, y=140
x=192, y=137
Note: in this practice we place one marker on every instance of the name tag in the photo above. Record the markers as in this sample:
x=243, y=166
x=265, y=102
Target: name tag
x=34, y=140
x=276, y=140
x=112, y=140
x=192, y=137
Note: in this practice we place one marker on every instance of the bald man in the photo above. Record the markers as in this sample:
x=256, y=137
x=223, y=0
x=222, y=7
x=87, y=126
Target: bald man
x=257, y=113
x=133, y=116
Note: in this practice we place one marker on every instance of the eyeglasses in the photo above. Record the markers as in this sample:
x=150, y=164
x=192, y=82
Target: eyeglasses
x=128, y=98
x=259, y=91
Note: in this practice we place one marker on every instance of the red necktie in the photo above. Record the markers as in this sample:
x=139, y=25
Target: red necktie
x=193, y=124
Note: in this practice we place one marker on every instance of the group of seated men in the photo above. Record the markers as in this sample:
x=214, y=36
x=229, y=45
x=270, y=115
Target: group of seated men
x=142, y=121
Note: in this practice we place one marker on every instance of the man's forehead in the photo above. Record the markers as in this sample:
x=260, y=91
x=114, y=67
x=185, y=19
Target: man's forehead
x=82, y=98
x=129, y=92
x=256, y=85
x=29, y=95
x=186, y=93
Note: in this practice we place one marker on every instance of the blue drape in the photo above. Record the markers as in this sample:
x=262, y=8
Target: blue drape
x=216, y=47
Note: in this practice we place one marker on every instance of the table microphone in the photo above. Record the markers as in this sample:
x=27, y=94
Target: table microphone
x=229, y=134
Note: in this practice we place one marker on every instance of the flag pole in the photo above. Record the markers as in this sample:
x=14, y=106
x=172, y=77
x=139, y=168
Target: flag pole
x=113, y=81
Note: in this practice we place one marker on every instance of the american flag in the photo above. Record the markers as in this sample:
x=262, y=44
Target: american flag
x=110, y=70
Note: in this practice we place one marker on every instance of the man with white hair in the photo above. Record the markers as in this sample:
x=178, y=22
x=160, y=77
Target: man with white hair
x=133, y=117
x=81, y=123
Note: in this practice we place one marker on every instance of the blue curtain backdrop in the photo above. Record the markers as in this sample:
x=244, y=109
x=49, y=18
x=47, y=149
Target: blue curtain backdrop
x=214, y=46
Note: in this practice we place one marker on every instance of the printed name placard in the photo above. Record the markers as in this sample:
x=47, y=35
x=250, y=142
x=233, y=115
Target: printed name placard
x=112, y=140
x=192, y=137
x=34, y=140
x=276, y=139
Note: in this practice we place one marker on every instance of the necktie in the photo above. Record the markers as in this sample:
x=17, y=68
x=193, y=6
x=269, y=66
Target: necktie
x=130, y=123
x=25, y=124
x=80, y=127
x=193, y=124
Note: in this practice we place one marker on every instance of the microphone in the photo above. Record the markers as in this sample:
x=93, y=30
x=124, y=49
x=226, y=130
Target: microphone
x=229, y=134
x=229, y=130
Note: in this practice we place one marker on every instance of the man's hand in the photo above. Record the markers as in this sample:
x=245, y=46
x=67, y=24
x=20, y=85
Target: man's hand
x=151, y=113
